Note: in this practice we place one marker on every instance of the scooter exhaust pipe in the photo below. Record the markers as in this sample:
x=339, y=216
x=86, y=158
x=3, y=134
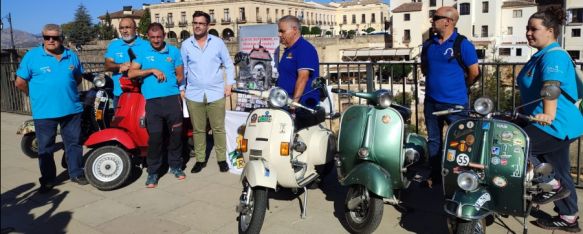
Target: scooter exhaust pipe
x=354, y=202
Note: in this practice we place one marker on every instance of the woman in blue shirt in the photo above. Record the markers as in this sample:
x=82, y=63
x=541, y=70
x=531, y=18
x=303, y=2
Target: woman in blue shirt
x=559, y=122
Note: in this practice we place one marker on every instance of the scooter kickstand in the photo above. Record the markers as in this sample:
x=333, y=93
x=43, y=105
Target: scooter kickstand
x=305, y=205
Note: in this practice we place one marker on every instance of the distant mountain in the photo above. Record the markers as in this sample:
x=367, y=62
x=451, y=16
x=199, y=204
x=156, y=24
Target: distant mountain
x=21, y=39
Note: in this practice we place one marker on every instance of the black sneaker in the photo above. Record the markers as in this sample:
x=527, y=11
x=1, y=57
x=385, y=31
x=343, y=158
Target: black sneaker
x=554, y=195
x=223, y=166
x=198, y=166
x=80, y=180
x=556, y=223
x=45, y=188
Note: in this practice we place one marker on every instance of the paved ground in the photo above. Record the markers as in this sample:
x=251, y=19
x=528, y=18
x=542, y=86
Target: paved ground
x=203, y=203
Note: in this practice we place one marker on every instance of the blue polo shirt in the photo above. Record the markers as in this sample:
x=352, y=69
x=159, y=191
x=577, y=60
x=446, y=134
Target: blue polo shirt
x=51, y=83
x=117, y=51
x=300, y=56
x=553, y=66
x=165, y=60
x=445, y=81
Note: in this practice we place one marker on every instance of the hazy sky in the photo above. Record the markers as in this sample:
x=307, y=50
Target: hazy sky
x=32, y=15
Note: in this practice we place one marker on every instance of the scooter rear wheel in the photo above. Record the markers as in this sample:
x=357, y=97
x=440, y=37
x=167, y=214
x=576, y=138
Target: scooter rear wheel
x=366, y=217
x=471, y=227
x=29, y=146
x=108, y=167
x=251, y=219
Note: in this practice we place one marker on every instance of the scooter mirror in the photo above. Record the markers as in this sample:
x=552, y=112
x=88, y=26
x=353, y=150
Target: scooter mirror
x=550, y=92
x=318, y=82
x=543, y=169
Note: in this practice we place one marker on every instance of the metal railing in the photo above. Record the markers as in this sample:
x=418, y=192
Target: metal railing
x=402, y=77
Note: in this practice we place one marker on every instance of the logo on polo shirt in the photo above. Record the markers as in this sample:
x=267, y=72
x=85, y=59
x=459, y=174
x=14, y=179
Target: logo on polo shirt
x=169, y=59
x=71, y=67
x=150, y=58
x=119, y=54
x=450, y=50
x=290, y=56
x=46, y=69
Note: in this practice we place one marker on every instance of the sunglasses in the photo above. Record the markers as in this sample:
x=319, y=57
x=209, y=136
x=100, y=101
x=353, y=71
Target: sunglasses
x=48, y=38
x=438, y=17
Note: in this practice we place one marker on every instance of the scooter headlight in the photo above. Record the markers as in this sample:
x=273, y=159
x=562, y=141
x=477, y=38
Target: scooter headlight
x=277, y=97
x=483, y=106
x=468, y=181
x=99, y=81
x=384, y=98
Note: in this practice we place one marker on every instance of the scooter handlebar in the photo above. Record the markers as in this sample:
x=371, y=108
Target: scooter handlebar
x=298, y=105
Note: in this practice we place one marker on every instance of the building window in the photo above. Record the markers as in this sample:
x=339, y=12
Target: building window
x=576, y=15
x=485, y=31
x=353, y=19
x=481, y=53
x=276, y=13
x=432, y=3
x=576, y=32
x=517, y=14
x=212, y=14
x=574, y=54
x=407, y=17
x=431, y=13
x=344, y=20
x=407, y=36
x=157, y=18
x=518, y=51
x=226, y=12
x=183, y=16
x=485, y=7
x=242, y=13
x=509, y=31
x=373, y=19
x=504, y=51
x=363, y=19
x=170, y=18
x=464, y=9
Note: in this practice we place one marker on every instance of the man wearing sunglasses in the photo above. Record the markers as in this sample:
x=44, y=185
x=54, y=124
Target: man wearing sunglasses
x=117, y=59
x=449, y=71
x=53, y=67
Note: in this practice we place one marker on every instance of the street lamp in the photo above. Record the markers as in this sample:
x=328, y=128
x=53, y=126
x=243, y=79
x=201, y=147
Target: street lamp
x=9, y=17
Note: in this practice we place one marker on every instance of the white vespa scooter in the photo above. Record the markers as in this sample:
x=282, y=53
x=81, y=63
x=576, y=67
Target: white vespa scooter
x=277, y=154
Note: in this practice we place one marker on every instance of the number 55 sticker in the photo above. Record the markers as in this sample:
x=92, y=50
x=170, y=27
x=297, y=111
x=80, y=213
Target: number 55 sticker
x=463, y=160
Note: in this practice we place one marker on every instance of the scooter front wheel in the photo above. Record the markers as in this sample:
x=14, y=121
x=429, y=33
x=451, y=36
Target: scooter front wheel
x=251, y=217
x=108, y=167
x=29, y=145
x=471, y=227
x=366, y=212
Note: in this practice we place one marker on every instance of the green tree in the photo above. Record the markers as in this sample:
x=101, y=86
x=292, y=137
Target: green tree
x=305, y=30
x=351, y=33
x=497, y=85
x=328, y=33
x=369, y=30
x=105, y=30
x=397, y=71
x=82, y=30
x=66, y=29
x=398, y=98
x=144, y=23
x=316, y=30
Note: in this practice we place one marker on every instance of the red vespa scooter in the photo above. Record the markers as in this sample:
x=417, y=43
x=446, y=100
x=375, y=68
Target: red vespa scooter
x=115, y=150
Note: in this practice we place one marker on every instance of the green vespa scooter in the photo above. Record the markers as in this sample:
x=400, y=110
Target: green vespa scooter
x=485, y=166
x=374, y=155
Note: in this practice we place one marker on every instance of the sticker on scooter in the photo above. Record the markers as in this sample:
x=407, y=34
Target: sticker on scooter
x=453, y=144
x=282, y=128
x=462, y=147
x=503, y=162
x=470, y=139
x=386, y=119
x=461, y=126
x=470, y=124
x=504, y=126
x=495, y=150
x=265, y=118
x=495, y=160
x=518, y=150
x=482, y=200
x=451, y=155
x=486, y=126
x=506, y=136
x=517, y=172
x=499, y=182
x=518, y=142
x=254, y=118
x=463, y=160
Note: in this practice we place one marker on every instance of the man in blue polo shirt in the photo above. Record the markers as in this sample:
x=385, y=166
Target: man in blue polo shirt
x=447, y=81
x=53, y=67
x=160, y=66
x=298, y=67
x=117, y=59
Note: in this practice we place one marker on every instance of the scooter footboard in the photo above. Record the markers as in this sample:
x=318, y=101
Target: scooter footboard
x=257, y=174
x=469, y=205
x=26, y=127
x=376, y=179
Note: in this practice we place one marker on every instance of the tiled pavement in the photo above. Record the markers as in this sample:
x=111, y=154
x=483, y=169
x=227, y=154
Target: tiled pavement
x=203, y=203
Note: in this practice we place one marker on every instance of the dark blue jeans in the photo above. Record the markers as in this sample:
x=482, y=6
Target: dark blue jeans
x=115, y=101
x=46, y=132
x=546, y=148
x=434, y=125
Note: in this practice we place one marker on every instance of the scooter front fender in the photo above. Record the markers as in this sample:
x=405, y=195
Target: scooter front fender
x=110, y=134
x=26, y=127
x=257, y=174
x=469, y=205
x=372, y=176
